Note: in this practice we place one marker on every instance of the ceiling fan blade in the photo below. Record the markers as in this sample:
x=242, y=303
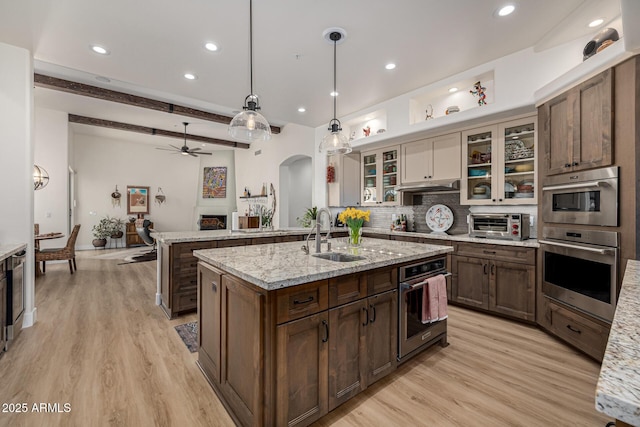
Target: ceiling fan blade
x=165, y=149
x=192, y=155
x=195, y=149
x=177, y=148
x=206, y=153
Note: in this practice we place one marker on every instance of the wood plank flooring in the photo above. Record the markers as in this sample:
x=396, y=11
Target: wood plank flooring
x=104, y=347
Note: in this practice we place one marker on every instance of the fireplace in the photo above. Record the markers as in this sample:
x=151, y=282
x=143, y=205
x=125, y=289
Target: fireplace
x=212, y=222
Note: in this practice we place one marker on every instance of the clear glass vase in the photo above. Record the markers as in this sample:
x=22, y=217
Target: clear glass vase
x=355, y=237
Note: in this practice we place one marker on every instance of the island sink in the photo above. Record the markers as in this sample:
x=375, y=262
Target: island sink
x=338, y=257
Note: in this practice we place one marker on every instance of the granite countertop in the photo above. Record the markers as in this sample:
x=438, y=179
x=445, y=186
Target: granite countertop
x=278, y=265
x=618, y=389
x=7, y=250
x=195, y=236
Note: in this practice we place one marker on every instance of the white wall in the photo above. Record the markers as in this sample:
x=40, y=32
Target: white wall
x=51, y=151
x=216, y=206
x=101, y=163
x=16, y=160
x=300, y=177
x=252, y=170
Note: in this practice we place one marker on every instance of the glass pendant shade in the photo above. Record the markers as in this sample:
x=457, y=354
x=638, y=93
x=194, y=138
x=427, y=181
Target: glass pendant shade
x=249, y=125
x=335, y=142
x=40, y=177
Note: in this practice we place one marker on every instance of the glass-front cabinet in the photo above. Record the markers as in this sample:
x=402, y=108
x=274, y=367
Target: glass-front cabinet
x=380, y=172
x=500, y=164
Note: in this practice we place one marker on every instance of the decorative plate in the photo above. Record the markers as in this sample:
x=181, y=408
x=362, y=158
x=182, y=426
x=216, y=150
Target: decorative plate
x=439, y=218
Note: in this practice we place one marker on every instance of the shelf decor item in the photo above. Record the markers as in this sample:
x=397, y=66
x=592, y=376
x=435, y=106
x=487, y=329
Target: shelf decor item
x=354, y=219
x=137, y=199
x=160, y=197
x=478, y=89
x=115, y=198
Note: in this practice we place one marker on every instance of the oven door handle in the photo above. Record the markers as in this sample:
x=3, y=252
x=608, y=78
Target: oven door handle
x=582, y=248
x=407, y=286
x=577, y=185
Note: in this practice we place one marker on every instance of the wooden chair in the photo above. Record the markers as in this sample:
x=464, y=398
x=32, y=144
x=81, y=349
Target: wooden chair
x=36, y=231
x=58, y=254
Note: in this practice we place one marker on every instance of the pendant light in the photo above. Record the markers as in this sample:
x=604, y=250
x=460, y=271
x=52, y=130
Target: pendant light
x=249, y=125
x=40, y=177
x=335, y=142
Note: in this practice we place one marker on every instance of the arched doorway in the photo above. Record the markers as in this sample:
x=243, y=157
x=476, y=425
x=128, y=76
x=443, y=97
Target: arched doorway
x=296, y=176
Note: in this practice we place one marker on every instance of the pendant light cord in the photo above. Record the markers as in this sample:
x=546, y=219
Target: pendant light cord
x=251, y=44
x=335, y=90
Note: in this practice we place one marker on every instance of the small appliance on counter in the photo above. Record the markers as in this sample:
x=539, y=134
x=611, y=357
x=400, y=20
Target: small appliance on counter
x=514, y=226
x=337, y=222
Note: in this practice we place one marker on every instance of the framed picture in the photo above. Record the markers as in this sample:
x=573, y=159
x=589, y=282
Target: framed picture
x=137, y=199
x=214, y=182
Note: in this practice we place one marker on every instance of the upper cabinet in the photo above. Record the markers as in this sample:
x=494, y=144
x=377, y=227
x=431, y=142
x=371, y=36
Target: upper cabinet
x=343, y=179
x=577, y=127
x=431, y=159
x=499, y=164
x=380, y=170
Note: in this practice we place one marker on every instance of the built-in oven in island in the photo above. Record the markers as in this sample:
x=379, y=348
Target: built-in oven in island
x=414, y=335
x=580, y=268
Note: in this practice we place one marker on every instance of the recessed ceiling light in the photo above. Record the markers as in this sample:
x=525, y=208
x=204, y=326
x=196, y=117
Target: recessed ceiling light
x=190, y=76
x=596, y=22
x=301, y=110
x=506, y=10
x=334, y=93
x=390, y=66
x=99, y=49
x=211, y=46
x=453, y=89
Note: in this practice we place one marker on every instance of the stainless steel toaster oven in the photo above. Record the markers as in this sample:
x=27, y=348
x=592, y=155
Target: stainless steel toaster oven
x=512, y=226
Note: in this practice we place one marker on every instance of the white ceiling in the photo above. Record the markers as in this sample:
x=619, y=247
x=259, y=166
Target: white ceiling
x=153, y=43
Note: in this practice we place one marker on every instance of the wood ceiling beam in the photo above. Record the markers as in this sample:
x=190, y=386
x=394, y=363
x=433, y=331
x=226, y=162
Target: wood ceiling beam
x=73, y=118
x=82, y=89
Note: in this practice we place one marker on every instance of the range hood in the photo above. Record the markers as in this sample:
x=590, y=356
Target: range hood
x=430, y=186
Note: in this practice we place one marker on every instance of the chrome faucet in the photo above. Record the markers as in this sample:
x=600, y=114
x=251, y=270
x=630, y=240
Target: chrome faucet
x=318, y=237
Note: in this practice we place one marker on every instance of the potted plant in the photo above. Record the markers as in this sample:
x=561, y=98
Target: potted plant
x=266, y=217
x=309, y=218
x=117, y=227
x=101, y=231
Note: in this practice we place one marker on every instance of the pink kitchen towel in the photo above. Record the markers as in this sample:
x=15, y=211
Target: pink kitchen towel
x=430, y=302
x=441, y=284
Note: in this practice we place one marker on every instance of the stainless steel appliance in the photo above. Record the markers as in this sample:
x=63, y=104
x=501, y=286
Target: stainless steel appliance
x=15, y=295
x=515, y=226
x=413, y=335
x=587, y=197
x=580, y=268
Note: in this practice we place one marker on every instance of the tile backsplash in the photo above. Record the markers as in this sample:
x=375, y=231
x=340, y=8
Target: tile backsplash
x=416, y=214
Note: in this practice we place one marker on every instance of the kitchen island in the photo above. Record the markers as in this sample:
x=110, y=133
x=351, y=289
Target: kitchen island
x=618, y=389
x=285, y=337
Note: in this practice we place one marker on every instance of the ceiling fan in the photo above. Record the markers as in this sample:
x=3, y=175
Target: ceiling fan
x=184, y=150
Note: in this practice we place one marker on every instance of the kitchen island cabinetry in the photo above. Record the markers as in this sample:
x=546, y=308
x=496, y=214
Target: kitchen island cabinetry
x=289, y=355
x=577, y=127
x=494, y=278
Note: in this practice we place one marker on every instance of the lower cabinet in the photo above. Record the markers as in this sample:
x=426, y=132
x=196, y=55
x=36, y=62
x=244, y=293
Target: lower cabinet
x=289, y=356
x=501, y=281
x=3, y=304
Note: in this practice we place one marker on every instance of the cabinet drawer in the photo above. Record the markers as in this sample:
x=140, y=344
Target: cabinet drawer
x=347, y=289
x=185, y=301
x=233, y=242
x=497, y=252
x=588, y=335
x=384, y=279
x=302, y=300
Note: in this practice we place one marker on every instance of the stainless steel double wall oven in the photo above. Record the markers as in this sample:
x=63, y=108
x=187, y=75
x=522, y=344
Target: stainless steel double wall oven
x=580, y=265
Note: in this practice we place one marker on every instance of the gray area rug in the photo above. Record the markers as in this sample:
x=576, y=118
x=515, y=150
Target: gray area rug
x=189, y=334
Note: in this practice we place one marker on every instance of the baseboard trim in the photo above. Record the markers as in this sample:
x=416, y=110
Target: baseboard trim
x=30, y=317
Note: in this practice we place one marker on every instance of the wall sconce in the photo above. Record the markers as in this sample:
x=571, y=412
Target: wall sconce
x=160, y=197
x=115, y=197
x=40, y=177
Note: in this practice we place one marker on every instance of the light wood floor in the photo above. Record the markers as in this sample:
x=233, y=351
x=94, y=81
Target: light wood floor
x=102, y=346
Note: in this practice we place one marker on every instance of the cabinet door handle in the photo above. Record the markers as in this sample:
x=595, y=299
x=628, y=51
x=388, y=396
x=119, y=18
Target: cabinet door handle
x=572, y=329
x=493, y=269
x=214, y=287
x=484, y=268
x=304, y=301
x=575, y=164
x=366, y=316
x=373, y=309
x=489, y=252
x=326, y=331
x=493, y=200
x=567, y=165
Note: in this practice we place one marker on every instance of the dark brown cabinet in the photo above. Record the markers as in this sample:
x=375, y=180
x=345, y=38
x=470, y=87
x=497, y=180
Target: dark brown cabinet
x=209, y=317
x=132, y=238
x=3, y=305
x=302, y=370
x=577, y=127
x=382, y=333
x=501, y=281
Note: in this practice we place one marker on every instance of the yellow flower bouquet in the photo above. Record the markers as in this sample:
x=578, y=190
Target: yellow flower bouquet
x=354, y=218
